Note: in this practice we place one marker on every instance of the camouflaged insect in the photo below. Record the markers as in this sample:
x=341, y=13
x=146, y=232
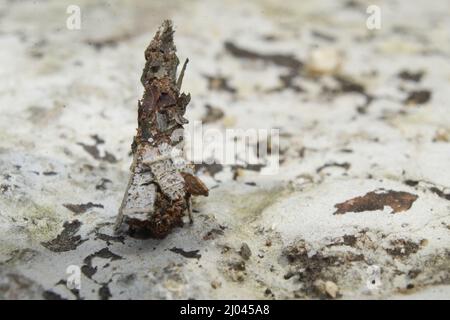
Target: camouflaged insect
x=162, y=182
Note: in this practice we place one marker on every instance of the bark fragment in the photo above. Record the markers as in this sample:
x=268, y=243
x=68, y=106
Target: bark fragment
x=162, y=181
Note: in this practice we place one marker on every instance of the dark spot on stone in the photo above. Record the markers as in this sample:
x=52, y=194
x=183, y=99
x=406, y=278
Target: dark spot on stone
x=284, y=60
x=352, y=4
x=66, y=240
x=411, y=183
x=102, y=184
x=289, y=275
x=310, y=267
x=219, y=83
x=411, y=76
x=95, y=152
x=212, y=234
x=269, y=37
x=245, y=251
x=74, y=291
x=323, y=36
x=413, y=273
x=104, y=253
x=349, y=240
x=140, y=233
x=268, y=292
x=50, y=295
x=88, y=271
x=49, y=173
x=398, y=201
x=347, y=85
x=104, y=293
x=213, y=114
x=97, y=139
x=187, y=254
x=402, y=248
x=253, y=184
x=288, y=81
x=109, y=239
x=212, y=168
x=20, y=256
x=4, y=187
x=251, y=167
x=440, y=193
x=344, y=165
x=237, y=265
x=111, y=42
x=418, y=97
x=82, y=208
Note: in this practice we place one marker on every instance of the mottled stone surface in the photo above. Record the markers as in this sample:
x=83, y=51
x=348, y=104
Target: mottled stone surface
x=360, y=112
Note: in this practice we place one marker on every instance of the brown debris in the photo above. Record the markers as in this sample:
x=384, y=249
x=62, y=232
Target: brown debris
x=159, y=192
x=213, y=234
x=398, y=201
x=344, y=165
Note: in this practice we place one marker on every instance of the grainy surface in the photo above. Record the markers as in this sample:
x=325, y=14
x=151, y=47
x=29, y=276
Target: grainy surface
x=359, y=111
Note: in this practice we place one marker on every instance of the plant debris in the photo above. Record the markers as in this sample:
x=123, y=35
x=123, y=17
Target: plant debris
x=398, y=201
x=162, y=182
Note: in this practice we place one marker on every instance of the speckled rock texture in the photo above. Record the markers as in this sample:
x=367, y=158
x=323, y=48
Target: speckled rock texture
x=360, y=208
